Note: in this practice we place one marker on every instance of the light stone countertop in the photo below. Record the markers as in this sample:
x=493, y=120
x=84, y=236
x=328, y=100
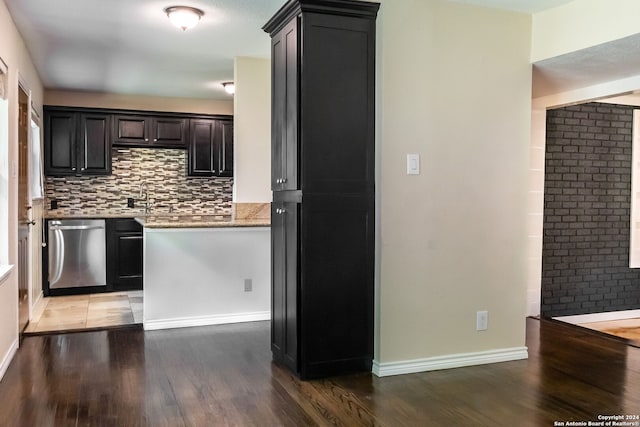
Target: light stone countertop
x=107, y=214
x=199, y=221
x=244, y=215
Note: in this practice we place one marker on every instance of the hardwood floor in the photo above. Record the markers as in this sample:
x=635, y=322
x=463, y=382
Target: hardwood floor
x=222, y=375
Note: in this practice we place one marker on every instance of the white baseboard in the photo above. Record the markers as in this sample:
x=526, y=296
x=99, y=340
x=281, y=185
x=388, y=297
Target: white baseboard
x=219, y=319
x=449, y=361
x=6, y=361
x=599, y=317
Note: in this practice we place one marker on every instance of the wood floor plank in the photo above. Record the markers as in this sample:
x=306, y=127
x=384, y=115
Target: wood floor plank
x=223, y=376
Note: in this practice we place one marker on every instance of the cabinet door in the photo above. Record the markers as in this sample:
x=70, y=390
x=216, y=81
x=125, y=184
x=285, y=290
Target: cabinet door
x=60, y=143
x=131, y=130
x=284, y=135
x=94, y=144
x=169, y=132
x=124, y=254
x=224, y=146
x=284, y=298
x=202, y=153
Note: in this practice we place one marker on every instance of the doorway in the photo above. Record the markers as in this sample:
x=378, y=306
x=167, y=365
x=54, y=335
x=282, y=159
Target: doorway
x=24, y=222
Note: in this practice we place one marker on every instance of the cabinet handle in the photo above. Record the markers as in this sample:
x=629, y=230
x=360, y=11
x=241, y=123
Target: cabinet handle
x=82, y=169
x=284, y=180
x=277, y=182
x=146, y=139
x=155, y=139
x=73, y=169
x=280, y=211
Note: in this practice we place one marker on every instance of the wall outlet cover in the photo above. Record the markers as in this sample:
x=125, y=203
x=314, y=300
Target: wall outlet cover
x=131, y=202
x=54, y=204
x=248, y=285
x=482, y=320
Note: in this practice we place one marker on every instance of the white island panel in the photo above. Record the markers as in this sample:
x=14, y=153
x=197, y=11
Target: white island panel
x=196, y=276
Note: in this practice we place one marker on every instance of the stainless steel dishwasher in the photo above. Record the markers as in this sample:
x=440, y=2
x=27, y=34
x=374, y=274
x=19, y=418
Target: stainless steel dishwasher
x=77, y=253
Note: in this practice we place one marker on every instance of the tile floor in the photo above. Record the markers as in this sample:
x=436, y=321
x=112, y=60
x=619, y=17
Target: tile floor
x=626, y=328
x=74, y=312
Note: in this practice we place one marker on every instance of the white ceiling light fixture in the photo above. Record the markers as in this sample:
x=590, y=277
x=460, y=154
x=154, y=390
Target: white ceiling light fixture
x=184, y=17
x=229, y=87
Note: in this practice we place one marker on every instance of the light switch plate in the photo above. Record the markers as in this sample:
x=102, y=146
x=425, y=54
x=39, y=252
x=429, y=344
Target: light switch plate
x=413, y=164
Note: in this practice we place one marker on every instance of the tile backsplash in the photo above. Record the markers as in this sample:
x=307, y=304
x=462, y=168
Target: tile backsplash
x=165, y=173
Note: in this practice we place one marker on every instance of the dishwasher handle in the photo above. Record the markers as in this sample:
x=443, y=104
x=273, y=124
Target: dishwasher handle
x=77, y=227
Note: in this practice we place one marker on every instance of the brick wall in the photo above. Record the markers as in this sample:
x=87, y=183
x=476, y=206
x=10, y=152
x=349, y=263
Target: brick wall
x=587, y=196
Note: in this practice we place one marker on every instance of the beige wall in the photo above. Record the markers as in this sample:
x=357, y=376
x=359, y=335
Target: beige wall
x=252, y=130
x=581, y=24
x=454, y=86
x=14, y=53
x=137, y=102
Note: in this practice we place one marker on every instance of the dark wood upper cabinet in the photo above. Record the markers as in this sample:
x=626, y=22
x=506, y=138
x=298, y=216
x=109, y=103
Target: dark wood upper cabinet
x=78, y=140
x=150, y=131
x=210, y=147
x=225, y=148
x=202, y=153
x=323, y=210
x=130, y=130
x=76, y=143
x=169, y=131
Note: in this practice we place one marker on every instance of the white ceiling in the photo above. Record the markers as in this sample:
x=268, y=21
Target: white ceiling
x=524, y=6
x=129, y=46
x=615, y=60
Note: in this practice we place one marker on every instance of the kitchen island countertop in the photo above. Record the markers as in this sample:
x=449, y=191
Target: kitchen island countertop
x=199, y=221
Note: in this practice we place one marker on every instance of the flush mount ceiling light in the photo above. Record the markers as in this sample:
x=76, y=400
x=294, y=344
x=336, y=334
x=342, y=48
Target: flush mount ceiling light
x=229, y=87
x=184, y=17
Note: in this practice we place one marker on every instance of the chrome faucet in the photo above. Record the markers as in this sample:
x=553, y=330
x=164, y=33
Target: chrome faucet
x=144, y=191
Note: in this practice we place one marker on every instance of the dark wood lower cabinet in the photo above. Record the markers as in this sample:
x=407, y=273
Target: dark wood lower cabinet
x=322, y=283
x=124, y=254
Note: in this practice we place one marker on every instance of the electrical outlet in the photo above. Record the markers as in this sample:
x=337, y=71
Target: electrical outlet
x=482, y=320
x=248, y=285
x=54, y=204
x=130, y=202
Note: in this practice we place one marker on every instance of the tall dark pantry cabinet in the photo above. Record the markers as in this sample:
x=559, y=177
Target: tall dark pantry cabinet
x=323, y=101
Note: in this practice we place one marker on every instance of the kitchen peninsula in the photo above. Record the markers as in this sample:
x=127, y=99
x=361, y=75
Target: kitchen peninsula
x=205, y=270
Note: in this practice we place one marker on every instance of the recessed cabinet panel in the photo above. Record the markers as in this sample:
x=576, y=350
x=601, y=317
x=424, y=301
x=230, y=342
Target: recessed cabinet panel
x=169, y=131
x=202, y=159
x=95, y=149
x=131, y=130
x=284, y=48
x=338, y=157
x=225, y=148
x=124, y=254
x=60, y=143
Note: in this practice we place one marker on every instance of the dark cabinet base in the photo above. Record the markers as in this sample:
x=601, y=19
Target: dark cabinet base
x=124, y=254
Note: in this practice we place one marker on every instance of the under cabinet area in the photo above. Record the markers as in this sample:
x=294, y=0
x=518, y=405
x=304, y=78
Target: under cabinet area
x=76, y=143
x=124, y=254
